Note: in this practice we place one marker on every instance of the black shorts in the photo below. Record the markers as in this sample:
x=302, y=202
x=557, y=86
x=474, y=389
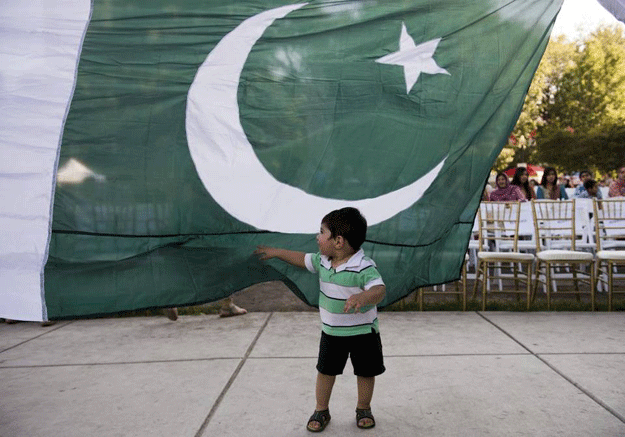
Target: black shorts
x=364, y=350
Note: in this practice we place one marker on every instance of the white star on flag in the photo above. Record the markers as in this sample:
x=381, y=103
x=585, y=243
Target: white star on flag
x=415, y=59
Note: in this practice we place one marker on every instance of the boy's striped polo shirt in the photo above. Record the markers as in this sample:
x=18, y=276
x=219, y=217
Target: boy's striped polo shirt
x=337, y=285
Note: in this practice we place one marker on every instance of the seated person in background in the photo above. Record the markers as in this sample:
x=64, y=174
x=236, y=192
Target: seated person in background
x=617, y=187
x=580, y=190
x=591, y=189
x=521, y=180
x=549, y=187
x=504, y=191
x=565, y=182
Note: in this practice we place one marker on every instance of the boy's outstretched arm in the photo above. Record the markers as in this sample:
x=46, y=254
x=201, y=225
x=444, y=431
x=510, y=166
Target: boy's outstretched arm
x=290, y=256
x=372, y=296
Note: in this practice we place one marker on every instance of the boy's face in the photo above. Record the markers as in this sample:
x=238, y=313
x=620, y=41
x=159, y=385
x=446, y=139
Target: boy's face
x=325, y=242
x=592, y=191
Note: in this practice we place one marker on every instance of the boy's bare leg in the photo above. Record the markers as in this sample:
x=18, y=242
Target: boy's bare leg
x=365, y=394
x=323, y=392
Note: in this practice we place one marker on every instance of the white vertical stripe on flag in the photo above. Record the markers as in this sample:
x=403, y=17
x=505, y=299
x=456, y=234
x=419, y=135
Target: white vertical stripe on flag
x=41, y=40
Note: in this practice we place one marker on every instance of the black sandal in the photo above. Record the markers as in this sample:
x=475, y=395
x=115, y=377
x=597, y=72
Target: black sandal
x=364, y=413
x=322, y=417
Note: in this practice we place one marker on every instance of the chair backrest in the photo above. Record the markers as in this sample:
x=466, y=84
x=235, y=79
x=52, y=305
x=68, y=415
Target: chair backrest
x=499, y=225
x=584, y=223
x=609, y=223
x=554, y=221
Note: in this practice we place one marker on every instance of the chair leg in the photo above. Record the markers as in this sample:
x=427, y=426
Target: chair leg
x=537, y=280
x=463, y=278
x=576, y=282
x=477, y=278
x=593, y=290
x=596, y=270
x=548, y=281
x=610, y=284
x=485, y=272
x=600, y=276
x=529, y=285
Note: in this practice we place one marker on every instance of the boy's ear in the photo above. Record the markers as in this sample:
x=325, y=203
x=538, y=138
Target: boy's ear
x=339, y=242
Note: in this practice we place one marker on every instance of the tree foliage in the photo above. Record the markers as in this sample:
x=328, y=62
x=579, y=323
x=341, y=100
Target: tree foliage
x=574, y=111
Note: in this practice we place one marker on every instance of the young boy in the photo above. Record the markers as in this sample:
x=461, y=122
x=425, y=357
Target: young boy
x=591, y=189
x=581, y=192
x=351, y=287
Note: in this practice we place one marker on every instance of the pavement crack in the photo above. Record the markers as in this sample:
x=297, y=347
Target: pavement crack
x=558, y=372
x=234, y=375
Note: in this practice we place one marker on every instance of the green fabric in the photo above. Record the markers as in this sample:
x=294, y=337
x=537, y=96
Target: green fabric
x=322, y=116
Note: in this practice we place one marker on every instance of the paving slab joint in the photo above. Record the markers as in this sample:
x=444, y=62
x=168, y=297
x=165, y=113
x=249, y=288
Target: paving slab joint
x=234, y=375
x=47, y=331
x=557, y=371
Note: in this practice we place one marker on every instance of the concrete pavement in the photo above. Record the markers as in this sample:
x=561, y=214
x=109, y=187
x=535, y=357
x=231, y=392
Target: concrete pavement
x=448, y=374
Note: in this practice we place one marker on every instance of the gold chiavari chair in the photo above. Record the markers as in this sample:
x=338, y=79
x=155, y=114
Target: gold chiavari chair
x=554, y=221
x=499, y=228
x=609, y=215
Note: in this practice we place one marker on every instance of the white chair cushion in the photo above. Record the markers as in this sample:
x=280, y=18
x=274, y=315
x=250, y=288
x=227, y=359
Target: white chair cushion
x=505, y=256
x=564, y=255
x=526, y=245
x=611, y=255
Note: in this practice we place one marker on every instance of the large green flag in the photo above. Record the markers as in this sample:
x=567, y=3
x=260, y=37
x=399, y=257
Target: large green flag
x=199, y=130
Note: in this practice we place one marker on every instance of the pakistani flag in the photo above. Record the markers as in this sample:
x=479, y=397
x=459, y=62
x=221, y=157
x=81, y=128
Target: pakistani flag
x=153, y=144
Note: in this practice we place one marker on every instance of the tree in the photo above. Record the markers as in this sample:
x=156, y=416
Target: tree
x=575, y=106
x=556, y=60
x=586, y=106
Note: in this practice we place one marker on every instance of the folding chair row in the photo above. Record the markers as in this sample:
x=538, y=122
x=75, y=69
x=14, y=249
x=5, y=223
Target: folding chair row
x=609, y=219
x=557, y=247
x=555, y=255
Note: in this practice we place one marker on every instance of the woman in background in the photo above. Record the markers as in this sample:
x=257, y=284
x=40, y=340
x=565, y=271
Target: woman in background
x=521, y=180
x=505, y=192
x=549, y=187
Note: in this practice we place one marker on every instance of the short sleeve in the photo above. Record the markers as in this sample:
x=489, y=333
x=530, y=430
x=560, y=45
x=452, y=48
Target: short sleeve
x=312, y=261
x=370, y=277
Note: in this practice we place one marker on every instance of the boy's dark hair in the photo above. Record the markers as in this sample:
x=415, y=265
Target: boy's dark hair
x=590, y=183
x=349, y=224
x=583, y=172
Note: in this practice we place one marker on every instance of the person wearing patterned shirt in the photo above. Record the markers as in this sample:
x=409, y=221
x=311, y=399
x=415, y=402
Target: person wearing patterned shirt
x=350, y=289
x=617, y=187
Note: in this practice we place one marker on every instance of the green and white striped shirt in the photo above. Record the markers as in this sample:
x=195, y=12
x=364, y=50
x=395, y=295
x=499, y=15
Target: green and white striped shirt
x=337, y=285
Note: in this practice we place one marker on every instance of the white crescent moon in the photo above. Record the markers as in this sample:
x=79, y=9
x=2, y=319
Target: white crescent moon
x=225, y=159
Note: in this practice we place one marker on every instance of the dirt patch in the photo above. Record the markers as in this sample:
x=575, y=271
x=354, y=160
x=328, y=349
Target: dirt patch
x=269, y=296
